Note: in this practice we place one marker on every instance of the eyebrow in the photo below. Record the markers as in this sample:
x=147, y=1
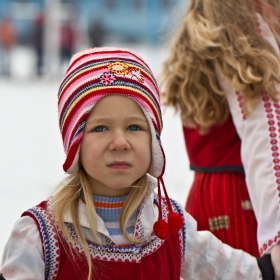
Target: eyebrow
x=135, y=118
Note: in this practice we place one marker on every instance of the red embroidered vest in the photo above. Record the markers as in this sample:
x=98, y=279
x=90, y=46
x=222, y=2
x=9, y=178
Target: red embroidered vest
x=217, y=150
x=154, y=259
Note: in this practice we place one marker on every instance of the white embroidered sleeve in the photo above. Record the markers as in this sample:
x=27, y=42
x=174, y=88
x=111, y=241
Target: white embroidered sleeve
x=260, y=152
x=206, y=257
x=259, y=133
x=23, y=257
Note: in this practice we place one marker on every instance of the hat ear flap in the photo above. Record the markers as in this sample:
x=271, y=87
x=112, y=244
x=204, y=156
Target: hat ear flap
x=157, y=165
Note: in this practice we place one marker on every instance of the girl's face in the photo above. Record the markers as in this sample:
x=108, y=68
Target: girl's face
x=116, y=146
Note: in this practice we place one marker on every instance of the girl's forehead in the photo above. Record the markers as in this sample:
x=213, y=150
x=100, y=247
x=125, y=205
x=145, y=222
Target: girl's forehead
x=118, y=105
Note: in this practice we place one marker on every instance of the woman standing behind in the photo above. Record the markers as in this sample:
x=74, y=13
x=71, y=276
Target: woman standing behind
x=222, y=74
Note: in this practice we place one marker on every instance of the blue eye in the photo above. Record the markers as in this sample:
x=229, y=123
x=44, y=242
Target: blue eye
x=100, y=128
x=134, y=127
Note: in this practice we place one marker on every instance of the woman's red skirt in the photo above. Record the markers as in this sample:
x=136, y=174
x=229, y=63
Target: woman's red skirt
x=220, y=203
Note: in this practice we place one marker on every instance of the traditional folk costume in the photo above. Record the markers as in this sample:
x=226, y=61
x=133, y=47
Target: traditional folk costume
x=220, y=199
x=170, y=246
x=189, y=254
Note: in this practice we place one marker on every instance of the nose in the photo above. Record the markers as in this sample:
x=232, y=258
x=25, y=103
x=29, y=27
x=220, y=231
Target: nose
x=119, y=142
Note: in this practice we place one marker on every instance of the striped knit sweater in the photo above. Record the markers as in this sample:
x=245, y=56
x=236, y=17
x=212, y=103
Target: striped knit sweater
x=109, y=209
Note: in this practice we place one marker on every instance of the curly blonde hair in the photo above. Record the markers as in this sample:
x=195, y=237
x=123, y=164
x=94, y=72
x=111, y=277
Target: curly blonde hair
x=223, y=33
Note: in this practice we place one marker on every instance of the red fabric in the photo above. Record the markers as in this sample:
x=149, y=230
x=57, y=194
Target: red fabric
x=163, y=264
x=214, y=195
x=222, y=149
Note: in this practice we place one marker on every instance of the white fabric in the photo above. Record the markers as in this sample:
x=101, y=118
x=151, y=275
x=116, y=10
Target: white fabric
x=260, y=164
x=205, y=258
x=23, y=256
x=158, y=162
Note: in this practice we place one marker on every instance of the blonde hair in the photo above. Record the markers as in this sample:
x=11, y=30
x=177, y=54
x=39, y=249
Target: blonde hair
x=222, y=32
x=67, y=199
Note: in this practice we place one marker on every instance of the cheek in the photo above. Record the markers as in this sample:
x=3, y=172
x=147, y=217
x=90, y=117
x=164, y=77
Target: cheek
x=145, y=154
x=91, y=161
x=88, y=152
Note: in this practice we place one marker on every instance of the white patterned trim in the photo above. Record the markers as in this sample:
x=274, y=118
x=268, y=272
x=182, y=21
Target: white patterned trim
x=124, y=253
x=49, y=241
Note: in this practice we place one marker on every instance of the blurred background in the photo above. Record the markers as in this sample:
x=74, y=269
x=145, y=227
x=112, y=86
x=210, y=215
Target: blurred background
x=37, y=39
x=45, y=33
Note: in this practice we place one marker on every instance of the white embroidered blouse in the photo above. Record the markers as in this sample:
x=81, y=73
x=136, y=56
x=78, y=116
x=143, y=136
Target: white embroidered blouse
x=204, y=256
x=260, y=152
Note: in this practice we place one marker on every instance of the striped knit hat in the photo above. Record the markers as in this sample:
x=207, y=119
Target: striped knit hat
x=97, y=73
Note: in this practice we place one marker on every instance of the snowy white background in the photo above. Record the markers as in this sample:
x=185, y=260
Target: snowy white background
x=31, y=151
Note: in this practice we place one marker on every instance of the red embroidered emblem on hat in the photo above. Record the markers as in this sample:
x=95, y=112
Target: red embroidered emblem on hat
x=107, y=78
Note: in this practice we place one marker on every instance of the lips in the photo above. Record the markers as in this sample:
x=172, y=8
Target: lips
x=120, y=165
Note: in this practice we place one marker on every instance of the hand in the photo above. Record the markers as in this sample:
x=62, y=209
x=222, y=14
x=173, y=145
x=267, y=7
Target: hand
x=275, y=258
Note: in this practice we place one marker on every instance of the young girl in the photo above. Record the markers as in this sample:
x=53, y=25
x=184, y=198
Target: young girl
x=223, y=73
x=106, y=221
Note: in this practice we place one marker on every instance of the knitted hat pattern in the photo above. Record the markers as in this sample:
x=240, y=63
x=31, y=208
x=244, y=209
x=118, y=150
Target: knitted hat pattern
x=99, y=72
x=94, y=74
